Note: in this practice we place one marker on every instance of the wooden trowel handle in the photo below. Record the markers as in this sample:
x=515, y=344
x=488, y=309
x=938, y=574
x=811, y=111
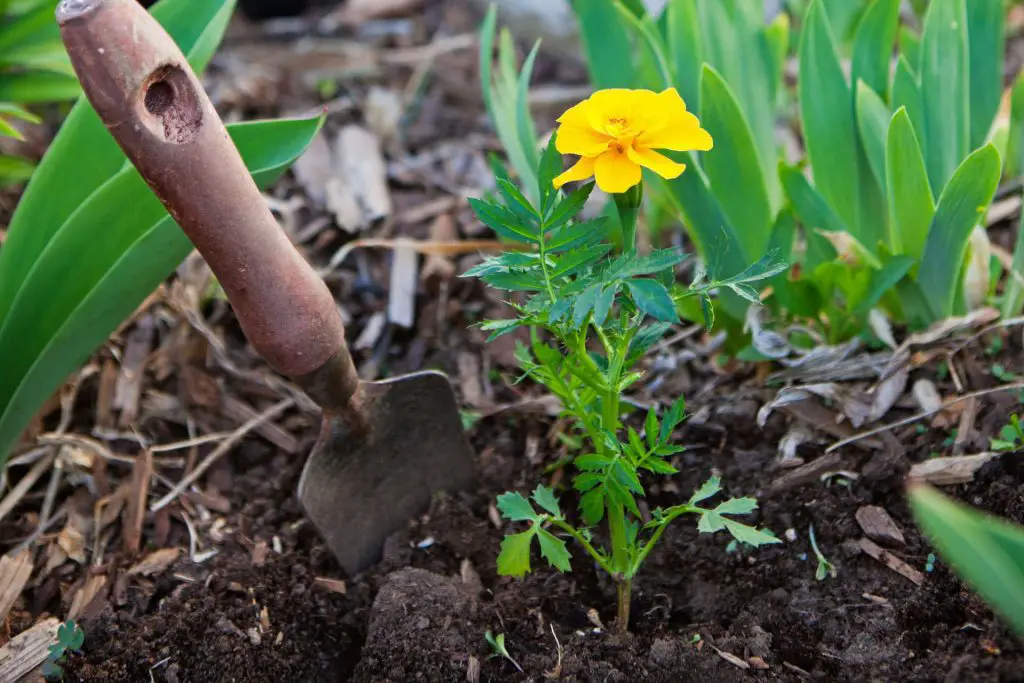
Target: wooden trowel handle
x=141, y=85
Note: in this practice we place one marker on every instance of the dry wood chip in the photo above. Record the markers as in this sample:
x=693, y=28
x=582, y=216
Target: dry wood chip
x=371, y=332
x=259, y=553
x=731, y=658
x=878, y=525
x=891, y=561
x=155, y=563
x=965, y=432
x=887, y=393
x=383, y=112
x=360, y=164
x=469, y=379
x=85, y=595
x=239, y=411
x=927, y=396
x=758, y=663
x=402, y=290
x=358, y=11
x=14, y=574
x=333, y=585
x=135, y=510
x=805, y=474
x=956, y=469
x=128, y=388
x=438, y=267
x=105, y=396
x=314, y=169
x=72, y=542
x=27, y=650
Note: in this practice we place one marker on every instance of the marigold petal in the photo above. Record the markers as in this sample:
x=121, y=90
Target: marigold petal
x=585, y=141
x=616, y=172
x=576, y=115
x=612, y=103
x=672, y=127
x=581, y=170
x=659, y=163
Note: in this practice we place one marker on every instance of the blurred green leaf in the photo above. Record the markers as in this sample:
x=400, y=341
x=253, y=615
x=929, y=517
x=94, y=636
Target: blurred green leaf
x=960, y=207
x=873, y=122
x=872, y=50
x=986, y=34
x=945, y=90
x=733, y=170
x=906, y=94
x=1013, y=164
x=14, y=170
x=911, y=204
x=826, y=108
x=987, y=552
x=685, y=49
x=83, y=155
x=80, y=288
x=606, y=44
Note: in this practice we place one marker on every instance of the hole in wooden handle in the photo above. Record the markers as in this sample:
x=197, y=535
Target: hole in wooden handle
x=172, y=108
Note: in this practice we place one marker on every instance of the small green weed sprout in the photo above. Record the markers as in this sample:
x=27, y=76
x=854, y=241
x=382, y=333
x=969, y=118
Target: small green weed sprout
x=69, y=639
x=1011, y=436
x=586, y=308
x=497, y=643
x=825, y=568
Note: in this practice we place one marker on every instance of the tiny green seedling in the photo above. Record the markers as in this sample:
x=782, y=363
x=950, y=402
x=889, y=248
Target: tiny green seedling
x=1011, y=436
x=497, y=643
x=825, y=568
x=69, y=639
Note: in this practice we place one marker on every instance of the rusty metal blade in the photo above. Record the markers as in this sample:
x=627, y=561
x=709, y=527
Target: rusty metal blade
x=359, y=487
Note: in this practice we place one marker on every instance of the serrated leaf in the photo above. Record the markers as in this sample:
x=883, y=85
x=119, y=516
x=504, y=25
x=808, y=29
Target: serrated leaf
x=651, y=427
x=550, y=167
x=514, y=558
x=567, y=209
x=603, y=304
x=655, y=262
x=516, y=202
x=554, y=551
x=502, y=221
x=635, y=443
x=672, y=418
x=514, y=507
x=587, y=480
x=514, y=282
x=545, y=498
x=584, y=304
x=750, y=535
x=648, y=336
x=575, y=261
x=710, y=522
x=651, y=297
x=592, y=506
x=592, y=461
x=616, y=490
x=706, y=490
x=737, y=506
x=665, y=450
x=577, y=235
x=659, y=466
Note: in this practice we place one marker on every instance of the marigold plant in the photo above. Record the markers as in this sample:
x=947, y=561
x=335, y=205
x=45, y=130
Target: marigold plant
x=592, y=315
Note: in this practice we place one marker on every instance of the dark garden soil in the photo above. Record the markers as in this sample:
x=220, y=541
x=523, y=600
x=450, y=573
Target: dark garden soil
x=701, y=612
x=272, y=605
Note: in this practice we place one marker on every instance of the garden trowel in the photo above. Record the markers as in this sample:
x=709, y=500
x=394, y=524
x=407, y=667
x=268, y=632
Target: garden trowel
x=385, y=448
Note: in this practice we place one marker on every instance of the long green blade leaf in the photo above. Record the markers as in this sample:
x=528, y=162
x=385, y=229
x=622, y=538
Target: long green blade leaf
x=82, y=288
x=873, y=122
x=826, y=107
x=83, y=156
x=872, y=50
x=606, y=44
x=986, y=33
x=685, y=49
x=985, y=551
x=961, y=205
x=945, y=90
x=911, y=204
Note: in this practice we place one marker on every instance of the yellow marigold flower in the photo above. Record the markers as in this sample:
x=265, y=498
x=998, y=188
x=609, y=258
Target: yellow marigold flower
x=616, y=132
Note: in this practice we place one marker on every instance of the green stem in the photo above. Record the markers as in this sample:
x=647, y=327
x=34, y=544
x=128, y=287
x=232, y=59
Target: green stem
x=624, y=593
x=628, y=205
x=579, y=538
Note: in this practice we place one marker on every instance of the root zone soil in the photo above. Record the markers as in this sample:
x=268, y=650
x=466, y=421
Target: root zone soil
x=703, y=611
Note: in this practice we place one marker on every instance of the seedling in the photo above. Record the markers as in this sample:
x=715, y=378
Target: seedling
x=825, y=568
x=69, y=639
x=1011, y=436
x=497, y=643
x=581, y=296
